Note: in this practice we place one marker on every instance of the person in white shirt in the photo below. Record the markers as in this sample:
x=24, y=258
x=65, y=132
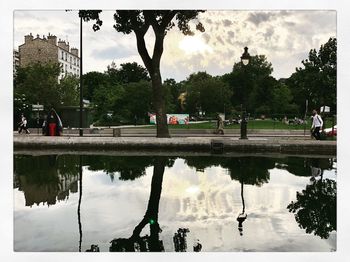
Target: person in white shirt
x=317, y=124
x=23, y=125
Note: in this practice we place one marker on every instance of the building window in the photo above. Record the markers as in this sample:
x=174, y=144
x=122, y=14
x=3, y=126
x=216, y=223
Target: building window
x=75, y=61
x=66, y=56
x=62, y=55
x=66, y=67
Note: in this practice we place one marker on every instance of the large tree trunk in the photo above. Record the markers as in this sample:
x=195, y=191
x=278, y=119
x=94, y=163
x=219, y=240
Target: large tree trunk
x=153, y=67
x=159, y=104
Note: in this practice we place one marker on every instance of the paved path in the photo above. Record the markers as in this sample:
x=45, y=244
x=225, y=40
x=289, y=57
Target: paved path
x=194, y=144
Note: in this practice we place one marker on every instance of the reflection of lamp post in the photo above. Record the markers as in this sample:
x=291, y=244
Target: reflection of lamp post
x=245, y=61
x=80, y=196
x=242, y=216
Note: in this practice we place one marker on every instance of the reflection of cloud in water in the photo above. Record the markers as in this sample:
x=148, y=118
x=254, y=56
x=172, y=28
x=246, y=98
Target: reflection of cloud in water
x=207, y=203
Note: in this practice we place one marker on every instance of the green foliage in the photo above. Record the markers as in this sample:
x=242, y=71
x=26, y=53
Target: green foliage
x=207, y=93
x=68, y=89
x=317, y=81
x=39, y=83
x=137, y=100
x=92, y=81
x=173, y=91
x=127, y=73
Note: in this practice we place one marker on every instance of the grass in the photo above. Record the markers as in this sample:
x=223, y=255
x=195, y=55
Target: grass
x=252, y=124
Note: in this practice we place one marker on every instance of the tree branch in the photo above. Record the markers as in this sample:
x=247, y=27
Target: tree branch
x=167, y=18
x=141, y=48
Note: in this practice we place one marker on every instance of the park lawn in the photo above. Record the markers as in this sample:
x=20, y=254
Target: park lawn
x=252, y=124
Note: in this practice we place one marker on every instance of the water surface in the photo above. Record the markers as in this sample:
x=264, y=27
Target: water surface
x=199, y=203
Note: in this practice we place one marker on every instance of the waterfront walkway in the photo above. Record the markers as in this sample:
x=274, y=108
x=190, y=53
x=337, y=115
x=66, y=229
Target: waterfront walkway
x=218, y=144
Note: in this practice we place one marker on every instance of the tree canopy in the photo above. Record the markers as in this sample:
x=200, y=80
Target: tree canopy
x=316, y=81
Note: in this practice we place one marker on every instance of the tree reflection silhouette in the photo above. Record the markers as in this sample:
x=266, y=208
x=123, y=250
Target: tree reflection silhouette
x=152, y=242
x=315, y=207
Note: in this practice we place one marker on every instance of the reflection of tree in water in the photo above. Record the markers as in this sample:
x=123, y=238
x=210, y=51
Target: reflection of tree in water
x=128, y=167
x=179, y=239
x=301, y=166
x=46, y=179
x=200, y=163
x=315, y=207
x=152, y=242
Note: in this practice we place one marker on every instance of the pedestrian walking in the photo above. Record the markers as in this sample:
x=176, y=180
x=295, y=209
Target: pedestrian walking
x=317, y=124
x=23, y=125
x=219, y=125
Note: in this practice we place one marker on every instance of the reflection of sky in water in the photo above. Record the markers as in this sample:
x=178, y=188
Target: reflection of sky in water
x=207, y=203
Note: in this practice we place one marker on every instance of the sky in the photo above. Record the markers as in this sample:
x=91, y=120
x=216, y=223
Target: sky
x=285, y=37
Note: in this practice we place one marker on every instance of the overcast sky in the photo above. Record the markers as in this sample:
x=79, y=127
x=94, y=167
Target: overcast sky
x=285, y=37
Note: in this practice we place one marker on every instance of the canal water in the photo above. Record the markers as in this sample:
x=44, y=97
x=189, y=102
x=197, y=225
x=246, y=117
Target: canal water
x=183, y=204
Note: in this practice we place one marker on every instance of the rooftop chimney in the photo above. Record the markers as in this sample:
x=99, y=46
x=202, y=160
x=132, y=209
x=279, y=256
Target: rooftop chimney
x=52, y=39
x=28, y=38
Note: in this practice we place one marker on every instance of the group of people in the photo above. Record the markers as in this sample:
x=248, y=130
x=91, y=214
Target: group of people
x=52, y=125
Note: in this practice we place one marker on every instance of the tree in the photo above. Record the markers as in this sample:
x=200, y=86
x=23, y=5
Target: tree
x=39, y=84
x=210, y=94
x=139, y=22
x=173, y=92
x=317, y=81
x=105, y=99
x=127, y=73
x=91, y=81
x=251, y=83
x=68, y=90
x=137, y=100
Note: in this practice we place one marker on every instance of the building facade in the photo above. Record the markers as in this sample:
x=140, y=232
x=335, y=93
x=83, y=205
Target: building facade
x=15, y=61
x=48, y=49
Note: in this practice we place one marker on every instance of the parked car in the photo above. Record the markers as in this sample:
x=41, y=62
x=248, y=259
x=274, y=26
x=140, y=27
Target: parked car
x=330, y=131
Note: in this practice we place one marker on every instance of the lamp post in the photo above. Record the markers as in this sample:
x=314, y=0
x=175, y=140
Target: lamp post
x=245, y=58
x=81, y=78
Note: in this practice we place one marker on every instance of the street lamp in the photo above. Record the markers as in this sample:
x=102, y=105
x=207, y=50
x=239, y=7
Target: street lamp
x=81, y=77
x=245, y=58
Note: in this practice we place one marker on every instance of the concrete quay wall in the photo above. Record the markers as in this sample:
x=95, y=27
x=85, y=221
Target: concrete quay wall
x=195, y=144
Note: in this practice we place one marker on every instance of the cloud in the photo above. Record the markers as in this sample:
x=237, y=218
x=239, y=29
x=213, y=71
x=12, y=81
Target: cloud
x=268, y=34
x=227, y=22
x=112, y=53
x=220, y=40
x=259, y=17
x=206, y=38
